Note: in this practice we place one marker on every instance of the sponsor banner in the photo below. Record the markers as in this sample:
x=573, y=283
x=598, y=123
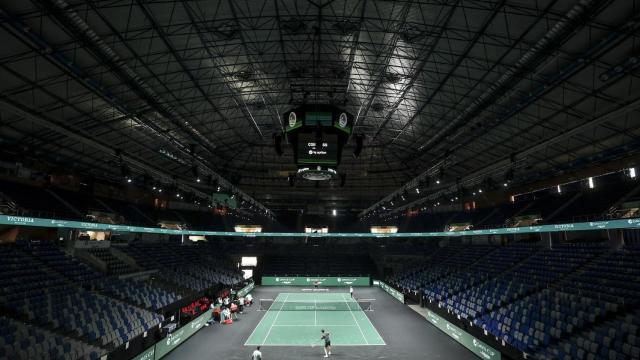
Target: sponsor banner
x=148, y=354
x=391, y=291
x=247, y=289
x=478, y=347
x=81, y=225
x=164, y=346
x=310, y=281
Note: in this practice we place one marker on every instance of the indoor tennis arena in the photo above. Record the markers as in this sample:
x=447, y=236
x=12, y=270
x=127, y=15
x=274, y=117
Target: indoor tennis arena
x=306, y=179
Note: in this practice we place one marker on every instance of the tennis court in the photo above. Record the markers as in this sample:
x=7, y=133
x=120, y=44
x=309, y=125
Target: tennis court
x=295, y=319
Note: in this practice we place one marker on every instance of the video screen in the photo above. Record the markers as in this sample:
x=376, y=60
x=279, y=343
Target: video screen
x=312, y=152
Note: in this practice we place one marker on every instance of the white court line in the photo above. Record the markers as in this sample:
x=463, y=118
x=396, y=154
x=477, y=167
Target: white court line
x=333, y=343
x=354, y=319
x=256, y=327
x=317, y=325
x=374, y=328
x=275, y=319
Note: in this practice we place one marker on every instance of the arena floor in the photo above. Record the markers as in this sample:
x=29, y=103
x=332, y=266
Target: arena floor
x=405, y=334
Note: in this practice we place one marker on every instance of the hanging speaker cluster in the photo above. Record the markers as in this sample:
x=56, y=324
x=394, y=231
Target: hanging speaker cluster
x=277, y=144
x=359, y=139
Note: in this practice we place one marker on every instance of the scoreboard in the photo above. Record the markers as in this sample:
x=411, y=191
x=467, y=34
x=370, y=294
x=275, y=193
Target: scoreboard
x=312, y=150
x=317, y=134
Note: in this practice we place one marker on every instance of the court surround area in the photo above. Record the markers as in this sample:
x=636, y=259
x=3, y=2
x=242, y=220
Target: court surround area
x=401, y=332
x=296, y=319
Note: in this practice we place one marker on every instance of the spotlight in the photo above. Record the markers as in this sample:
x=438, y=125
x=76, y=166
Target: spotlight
x=591, y=183
x=334, y=212
x=559, y=189
x=632, y=173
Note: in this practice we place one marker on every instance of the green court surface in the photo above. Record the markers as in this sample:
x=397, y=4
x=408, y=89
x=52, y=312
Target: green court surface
x=281, y=326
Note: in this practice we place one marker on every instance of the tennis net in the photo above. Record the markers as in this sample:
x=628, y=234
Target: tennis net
x=311, y=305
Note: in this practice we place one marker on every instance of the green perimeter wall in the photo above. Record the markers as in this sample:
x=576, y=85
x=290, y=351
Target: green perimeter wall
x=309, y=281
x=476, y=346
x=245, y=290
x=164, y=346
x=390, y=290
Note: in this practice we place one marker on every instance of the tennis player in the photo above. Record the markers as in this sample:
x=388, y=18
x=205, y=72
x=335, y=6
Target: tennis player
x=351, y=291
x=257, y=355
x=327, y=342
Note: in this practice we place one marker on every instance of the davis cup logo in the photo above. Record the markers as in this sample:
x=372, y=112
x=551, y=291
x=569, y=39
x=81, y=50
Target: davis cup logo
x=342, y=120
x=292, y=119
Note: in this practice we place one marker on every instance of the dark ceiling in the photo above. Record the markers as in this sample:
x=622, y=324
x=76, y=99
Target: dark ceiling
x=473, y=87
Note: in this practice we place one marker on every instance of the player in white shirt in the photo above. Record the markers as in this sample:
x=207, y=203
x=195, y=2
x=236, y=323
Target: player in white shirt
x=257, y=355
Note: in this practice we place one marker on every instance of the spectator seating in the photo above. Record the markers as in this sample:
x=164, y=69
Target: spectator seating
x=204, y=271
x=97, y=318
x=114, y=265
x=566, y=302
x=53, y=257
x=139, y=292
x=22, y=341
x=31, y=289
x=613, y=339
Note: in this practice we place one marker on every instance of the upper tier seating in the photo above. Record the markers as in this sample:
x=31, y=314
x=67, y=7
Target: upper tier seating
x=204, y=270
x=53, y=257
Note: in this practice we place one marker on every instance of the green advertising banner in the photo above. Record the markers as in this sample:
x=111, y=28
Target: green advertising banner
x=478, y=347
x=80, y=225
x=310, y=281
x=148, y=354
x=391, y=291
x=247, y=289
x=164, y=346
